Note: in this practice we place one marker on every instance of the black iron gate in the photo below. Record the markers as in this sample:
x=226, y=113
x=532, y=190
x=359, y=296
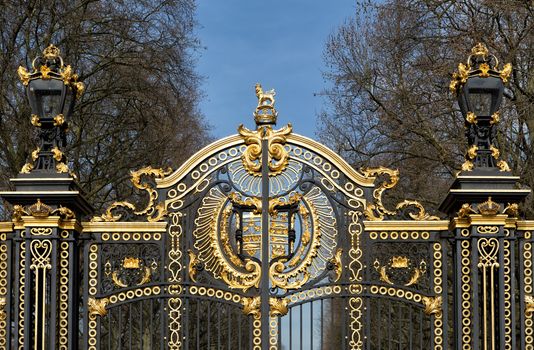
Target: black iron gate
x=265, y=240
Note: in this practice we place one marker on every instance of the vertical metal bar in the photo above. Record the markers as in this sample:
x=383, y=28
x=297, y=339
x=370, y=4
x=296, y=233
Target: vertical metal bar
x=475, y=303
x=379, y=323
x=151, y=323
x=389, y=324
x=279, y=332
x=209, y=326
x=219, y=328
x=198, y=324
x=109, y=328
x=322, y=323
x=457, y=285
x=141, y=323
x=421, y=338
x=130, y=328
x=53, y=313
x=300, y=327
x=228, y=310
x=290, y=329
x=264, y=285
x=120, y=327
x=410, y=327
x=367, y=337
x=521, y=291
x=498, y=292
x=187, y=312
x=163, y=332
x=85, y=294
x=344, y=323
x=27, y=297
x=239, y=331
x=311, y=325
x=399, y=317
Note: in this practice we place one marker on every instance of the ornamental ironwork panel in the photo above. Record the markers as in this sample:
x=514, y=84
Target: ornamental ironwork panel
x=269, y=240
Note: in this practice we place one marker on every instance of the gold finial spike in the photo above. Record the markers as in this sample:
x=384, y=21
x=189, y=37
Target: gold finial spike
x=51, y=52
x=480, y=50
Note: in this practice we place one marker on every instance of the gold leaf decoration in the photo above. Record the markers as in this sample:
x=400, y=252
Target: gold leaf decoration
x=432, y=305
x=97, y=307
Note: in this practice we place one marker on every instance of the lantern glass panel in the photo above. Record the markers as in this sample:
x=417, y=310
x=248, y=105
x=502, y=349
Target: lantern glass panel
x=481, y=102
x=47, y=97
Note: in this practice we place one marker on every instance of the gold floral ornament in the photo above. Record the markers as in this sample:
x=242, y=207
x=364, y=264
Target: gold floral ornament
x=265, y=116
x=97, y=307
x=154, y=211
x=376, y=211
x=251, y=306
x=43, y=71
x=279, y=306
x=432, y=305
x=529, y=305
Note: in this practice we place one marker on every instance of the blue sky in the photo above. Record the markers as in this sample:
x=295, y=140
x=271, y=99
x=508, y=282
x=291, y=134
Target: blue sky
x=276, y=43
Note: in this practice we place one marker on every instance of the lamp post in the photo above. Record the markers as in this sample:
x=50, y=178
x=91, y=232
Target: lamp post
x=479, y=87
x=48, y=206
x=52, y=89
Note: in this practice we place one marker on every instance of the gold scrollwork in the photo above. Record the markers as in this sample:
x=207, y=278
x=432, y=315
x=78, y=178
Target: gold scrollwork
x=376, y=211
x=338, y=265
x=97, y=307
x=193, y=262
x=400, y=262
x=378, y=207
x=132, y=263
x=153, y=211
x=432, y=305
x=421, y=213
x=278, y=157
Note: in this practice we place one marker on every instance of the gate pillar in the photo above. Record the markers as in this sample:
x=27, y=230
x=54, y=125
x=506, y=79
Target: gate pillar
x=483, y=204
x=43, y=242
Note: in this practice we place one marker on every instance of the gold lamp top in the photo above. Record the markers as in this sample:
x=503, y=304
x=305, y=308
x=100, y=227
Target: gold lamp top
x=479, y=63
x=50, y=65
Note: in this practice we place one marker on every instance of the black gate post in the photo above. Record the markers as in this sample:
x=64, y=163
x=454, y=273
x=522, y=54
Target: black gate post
x=483, y=206
x=47, y=209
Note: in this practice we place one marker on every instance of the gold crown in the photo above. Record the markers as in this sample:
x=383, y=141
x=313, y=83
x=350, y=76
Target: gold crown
x=399, y=262
x=51, y=52
x=489, y=207
x=39, y=209
x=131, y=263
x=480, y=50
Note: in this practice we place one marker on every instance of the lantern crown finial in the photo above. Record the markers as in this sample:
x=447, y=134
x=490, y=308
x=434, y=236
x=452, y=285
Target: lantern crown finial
x=51, y=52
x=480, y=50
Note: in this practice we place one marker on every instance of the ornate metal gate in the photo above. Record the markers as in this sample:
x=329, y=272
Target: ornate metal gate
x=265, y=240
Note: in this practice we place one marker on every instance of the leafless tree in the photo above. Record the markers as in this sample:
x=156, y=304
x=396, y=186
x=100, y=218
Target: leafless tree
x=389, y=105
x=140, y=107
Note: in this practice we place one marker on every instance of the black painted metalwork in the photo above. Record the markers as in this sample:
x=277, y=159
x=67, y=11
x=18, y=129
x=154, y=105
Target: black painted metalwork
x=268, y=240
